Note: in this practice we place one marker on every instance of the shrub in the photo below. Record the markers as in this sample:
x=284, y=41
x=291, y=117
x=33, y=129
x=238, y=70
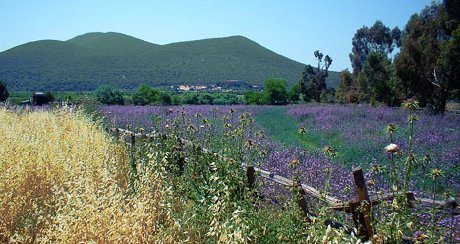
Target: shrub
x=227, y=99
x=165, y=98
x=109, y=95
x=327, y=95
x=294, y=93
x=145, y=95
x=251, y=97
x=275, y=92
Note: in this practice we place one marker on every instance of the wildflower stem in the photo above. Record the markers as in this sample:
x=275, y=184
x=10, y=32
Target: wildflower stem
x=433, y=223
x=394, y=178
x=410, y=157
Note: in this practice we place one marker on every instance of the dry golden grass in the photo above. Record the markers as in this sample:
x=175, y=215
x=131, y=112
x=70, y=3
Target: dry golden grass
x=63, y=180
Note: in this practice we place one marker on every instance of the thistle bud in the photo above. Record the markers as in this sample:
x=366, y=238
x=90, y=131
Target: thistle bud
x=391, y=128
x=302, y=131
x=410, y=104
x=371, y=182
x=294, y=163
x=248, y=143
x=330, y=151
x=436, y=173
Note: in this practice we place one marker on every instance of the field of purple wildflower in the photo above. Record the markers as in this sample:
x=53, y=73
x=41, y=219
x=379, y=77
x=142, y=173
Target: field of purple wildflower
x=315, y=167
x=356, y=133
x=148, y=117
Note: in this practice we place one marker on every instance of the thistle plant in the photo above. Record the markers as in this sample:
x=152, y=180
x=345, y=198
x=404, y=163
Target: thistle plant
x=330, y=153
x=293, y=165
x=392, y=149
x=410, y=105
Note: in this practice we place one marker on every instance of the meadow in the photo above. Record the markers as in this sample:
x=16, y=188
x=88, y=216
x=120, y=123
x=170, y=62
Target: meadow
x=336, y=140
x=66, y=178
x=356, y=133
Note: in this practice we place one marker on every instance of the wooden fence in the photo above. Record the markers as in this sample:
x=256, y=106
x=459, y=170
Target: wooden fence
x=360, y=207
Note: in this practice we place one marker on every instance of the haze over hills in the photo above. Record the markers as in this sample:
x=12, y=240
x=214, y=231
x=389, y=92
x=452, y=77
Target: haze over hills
x=93, y=59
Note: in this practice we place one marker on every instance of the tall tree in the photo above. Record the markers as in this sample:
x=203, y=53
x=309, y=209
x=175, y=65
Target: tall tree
x=345, y=93
x=378, y=38
x=428, y=63
x=3, y=92
x=453, y=9
x=376, y=71
x=313, y=80
x=371, y=59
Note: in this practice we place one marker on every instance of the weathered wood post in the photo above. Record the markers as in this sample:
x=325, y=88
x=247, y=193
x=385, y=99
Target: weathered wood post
x=133, y=141
x=117, y=134
x=361, y=210
x=133, y=160
x=410, y=199
x=251, y=174
x=302, y=200
x=451, y=204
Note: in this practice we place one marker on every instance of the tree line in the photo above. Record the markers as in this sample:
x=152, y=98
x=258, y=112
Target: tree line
x=422, y=62
x=426, y=68
x=147, y=95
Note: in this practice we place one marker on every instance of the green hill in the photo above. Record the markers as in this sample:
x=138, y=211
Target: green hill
x=93, y=59
x=112, y=43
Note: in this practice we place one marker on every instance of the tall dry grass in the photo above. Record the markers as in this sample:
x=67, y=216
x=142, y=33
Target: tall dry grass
x=62, y=179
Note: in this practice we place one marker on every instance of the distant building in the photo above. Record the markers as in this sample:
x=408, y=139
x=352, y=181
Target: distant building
x=184, y=88
x=192, y=88
x=40, y=98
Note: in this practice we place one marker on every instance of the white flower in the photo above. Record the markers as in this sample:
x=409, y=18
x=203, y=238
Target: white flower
x=392, y=148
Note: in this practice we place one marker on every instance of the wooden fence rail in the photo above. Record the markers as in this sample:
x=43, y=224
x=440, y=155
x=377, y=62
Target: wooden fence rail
x=360, y=208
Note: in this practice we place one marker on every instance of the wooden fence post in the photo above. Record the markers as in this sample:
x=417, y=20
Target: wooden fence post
x=117, y=134
x=302, y=200
x=410, y=199
x=452, y=204
x=361, y=210
x=251, y=174
x=133, y=140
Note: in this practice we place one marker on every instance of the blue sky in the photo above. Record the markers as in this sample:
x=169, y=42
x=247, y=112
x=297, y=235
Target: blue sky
x=292, y=28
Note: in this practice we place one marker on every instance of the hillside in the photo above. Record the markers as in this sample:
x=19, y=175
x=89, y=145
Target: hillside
x=89, y=60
